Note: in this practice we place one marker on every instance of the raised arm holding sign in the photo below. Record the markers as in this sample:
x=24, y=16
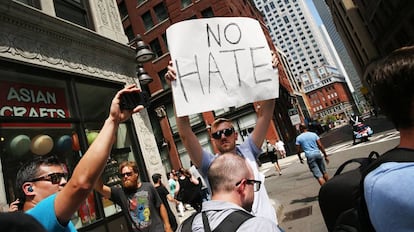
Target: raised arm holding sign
x=228, y=62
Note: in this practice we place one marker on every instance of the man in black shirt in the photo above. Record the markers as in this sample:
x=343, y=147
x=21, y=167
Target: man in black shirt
x=165, y=197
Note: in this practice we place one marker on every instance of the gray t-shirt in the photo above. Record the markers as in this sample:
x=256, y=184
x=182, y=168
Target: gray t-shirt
x=142, y=207
x=217, y=211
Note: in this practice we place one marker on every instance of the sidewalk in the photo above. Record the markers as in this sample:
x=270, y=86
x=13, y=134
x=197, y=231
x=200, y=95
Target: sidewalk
x=268, y=170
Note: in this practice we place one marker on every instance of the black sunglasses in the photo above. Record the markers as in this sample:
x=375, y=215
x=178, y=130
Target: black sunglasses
x=256, y=183
x=227, y=132
x=55, y=178
x=126, y=174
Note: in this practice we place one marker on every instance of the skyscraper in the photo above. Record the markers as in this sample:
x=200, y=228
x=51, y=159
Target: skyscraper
x=327, y=20
x=295, y=33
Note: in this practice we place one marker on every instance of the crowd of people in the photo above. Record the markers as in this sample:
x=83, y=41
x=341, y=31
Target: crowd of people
x=218, y=185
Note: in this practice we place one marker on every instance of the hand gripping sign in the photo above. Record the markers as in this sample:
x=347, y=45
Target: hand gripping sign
x=220, y=62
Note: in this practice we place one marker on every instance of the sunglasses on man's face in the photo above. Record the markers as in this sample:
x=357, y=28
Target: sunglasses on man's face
x=55, y=178
x=127, y=174
x=226, y=132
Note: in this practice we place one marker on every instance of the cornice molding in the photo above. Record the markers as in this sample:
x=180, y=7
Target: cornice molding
x=42, y=40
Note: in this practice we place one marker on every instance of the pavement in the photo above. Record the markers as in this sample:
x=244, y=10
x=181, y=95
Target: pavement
x=294, y=195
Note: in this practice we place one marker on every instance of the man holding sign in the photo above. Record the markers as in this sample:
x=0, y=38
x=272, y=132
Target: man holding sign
x=221, y=74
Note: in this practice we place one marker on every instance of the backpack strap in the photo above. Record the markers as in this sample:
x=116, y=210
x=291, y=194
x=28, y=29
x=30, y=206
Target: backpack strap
x=206, y=224
x=188, y=223
x=394, y=155
x=363, y=162
x=233, y=221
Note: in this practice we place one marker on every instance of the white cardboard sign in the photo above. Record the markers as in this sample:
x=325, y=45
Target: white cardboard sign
x=220, y=62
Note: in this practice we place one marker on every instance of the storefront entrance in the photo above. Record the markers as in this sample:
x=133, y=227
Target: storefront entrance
x=44, y=112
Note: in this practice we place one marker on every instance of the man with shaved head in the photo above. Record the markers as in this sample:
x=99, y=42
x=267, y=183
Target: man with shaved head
x=233, y=185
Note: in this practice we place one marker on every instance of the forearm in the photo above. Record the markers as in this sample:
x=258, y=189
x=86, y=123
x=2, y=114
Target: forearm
x=299, y=151
x=164, y=217
x=104, y=190
x=323, y=151
x=264, y=116
x=189, y=139
x=86, y=173
x=321, y=147
x=171, y=199
x=267, y=107
x=91, y=165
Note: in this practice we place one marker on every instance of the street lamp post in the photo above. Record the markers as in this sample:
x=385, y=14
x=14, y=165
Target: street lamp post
x=144, y=54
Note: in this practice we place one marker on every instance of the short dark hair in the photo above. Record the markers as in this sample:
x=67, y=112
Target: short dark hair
x=302, y=127
x=30, y=170
x=392, y=86
x=156, y=177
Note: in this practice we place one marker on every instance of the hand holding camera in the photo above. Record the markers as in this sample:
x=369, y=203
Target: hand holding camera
x=131, y=100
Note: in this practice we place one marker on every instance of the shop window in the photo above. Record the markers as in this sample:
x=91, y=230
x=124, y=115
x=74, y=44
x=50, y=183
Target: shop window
x=41, y=114
x=161, y=12
x=72, y=10
x=147, y=19
x=156, y=47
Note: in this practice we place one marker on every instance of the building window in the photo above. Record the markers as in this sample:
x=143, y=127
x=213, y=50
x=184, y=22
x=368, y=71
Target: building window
x=161, y=12
x=147, y=19
x=164, y=83
x=32, y=3
x=207, y=13
x=129, y=33
x=185, y=3
x=156, y=47
x=72, y=10
x=123, y=12
x=164, y=39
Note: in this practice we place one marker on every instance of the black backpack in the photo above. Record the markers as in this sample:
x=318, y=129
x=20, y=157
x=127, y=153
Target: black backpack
x=230, y=224
x=342, y=205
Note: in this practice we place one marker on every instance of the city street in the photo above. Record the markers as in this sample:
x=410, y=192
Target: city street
x=295, y=192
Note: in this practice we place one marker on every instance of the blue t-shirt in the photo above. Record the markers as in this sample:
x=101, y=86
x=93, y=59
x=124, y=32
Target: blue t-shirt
x=307, y=141
x=44, y=212
x=389, y=191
